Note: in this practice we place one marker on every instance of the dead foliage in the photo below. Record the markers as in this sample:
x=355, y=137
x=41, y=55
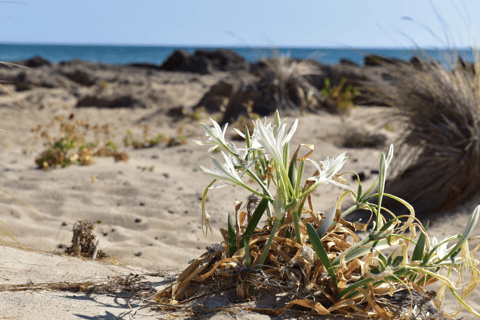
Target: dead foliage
x=84, y=242
x=293, y=270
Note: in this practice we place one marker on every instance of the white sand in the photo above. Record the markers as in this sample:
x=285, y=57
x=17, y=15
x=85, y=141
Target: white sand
x=165, y=202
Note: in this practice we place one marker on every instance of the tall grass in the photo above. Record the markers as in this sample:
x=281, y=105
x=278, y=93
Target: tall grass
x=439, y=166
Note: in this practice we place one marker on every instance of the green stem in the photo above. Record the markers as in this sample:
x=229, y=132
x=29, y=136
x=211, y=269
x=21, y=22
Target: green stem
x=265, y=189
x=297, y=227
x=268, y=244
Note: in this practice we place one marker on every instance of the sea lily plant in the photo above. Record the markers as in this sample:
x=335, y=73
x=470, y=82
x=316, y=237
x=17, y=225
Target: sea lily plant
x=353, y=269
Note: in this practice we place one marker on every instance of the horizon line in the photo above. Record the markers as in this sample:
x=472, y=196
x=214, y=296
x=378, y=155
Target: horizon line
x=227, y=46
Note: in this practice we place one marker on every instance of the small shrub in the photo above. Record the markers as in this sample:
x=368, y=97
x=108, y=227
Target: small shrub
x=342, y=97
x=71, y=147
x=130, y=140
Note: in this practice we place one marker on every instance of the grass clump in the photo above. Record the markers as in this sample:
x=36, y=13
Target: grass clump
x=340, y=95
x=317, y=259
x=72, y=147
x=440, y=145
x=130, y=140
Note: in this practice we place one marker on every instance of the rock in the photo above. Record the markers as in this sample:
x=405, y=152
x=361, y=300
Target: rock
x=376, y=60
x=217, y=97
x=109, y=101
x=204, y=61
x=81, y=77
x=36, y=62
x=348, y=62
x=176, y=60
x=146, y=66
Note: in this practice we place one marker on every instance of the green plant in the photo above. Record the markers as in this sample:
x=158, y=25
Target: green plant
x=342, y=99
x=130, y=140
x=334, y=262
x=71, y=147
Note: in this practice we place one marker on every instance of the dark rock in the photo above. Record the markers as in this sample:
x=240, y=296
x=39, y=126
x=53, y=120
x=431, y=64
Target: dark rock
x=106, y=102
x=145, y=65
x=176, y=60
x=138, y=220
x=204, y=61
x=81, y=77
x=361, y=175
x=36, y=62
x=138, y=254
x=376, y=60
x=217, y=97
x=178, y=112
x=348, y=62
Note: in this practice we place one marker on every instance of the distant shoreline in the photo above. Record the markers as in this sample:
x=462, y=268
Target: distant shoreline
x=127, y=54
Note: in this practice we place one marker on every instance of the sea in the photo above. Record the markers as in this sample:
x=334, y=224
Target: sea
x=125, y=54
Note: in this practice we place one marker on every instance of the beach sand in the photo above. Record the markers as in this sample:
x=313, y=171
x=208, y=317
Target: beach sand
x=149, y=220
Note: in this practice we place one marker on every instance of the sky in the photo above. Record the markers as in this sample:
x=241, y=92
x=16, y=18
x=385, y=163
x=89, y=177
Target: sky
x=280, y=23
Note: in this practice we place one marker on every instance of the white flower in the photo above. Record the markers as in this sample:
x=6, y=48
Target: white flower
x=215, y=135
x=225, y=172
x=328, y=169
x=442, y=251
x=272, y=139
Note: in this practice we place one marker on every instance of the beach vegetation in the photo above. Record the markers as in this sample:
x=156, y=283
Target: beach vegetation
x=149, y=142
x=282, y=245
x=341, y=96
x=439, y=146
x=72, y=145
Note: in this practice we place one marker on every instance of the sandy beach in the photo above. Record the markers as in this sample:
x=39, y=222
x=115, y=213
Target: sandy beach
x=147, y=209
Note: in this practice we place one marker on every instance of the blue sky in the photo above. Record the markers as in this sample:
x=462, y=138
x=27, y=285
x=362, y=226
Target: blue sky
x=315, y=23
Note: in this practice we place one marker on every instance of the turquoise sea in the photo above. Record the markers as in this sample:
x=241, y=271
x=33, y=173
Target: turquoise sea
x=121, y=54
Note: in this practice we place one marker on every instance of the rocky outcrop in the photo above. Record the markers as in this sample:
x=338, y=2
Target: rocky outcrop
x=216, y=99
x=204, y=61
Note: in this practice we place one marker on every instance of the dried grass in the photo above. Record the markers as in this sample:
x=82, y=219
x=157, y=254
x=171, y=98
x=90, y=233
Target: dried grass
x=438, y=166
x=296, y=273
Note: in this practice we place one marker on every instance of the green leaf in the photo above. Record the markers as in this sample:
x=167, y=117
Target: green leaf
x=248, y=259
x=252, y=224
x=301, y=168
x=362, y=248
x=328, y=221
x=420, y=247
x=232, y=237
x=263, y=257
x=293, y=171
x=397, y=261
x=358, y=284
x=321, y=253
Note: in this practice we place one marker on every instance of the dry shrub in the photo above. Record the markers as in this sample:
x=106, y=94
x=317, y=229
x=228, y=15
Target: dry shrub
x=284, y=86
x=281, y=83
x=84, y=241
x=438, y=166
x=356, y=138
